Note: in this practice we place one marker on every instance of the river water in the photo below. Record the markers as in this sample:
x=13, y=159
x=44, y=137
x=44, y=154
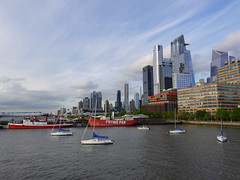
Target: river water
x=135, y=154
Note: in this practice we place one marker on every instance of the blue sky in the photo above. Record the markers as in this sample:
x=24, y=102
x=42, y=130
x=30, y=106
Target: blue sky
x=55, y=52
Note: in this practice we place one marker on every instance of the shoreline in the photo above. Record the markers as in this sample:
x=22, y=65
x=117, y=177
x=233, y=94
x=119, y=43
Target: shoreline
x=215, y=123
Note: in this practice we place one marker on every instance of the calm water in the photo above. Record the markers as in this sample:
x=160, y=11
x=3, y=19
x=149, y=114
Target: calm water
x=136, y=154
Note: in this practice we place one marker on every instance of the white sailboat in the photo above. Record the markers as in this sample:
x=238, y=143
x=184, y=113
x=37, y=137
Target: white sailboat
x=176, y=130
x=96, y=139
x=61, y=132
x=144, y=127
x=221, y=137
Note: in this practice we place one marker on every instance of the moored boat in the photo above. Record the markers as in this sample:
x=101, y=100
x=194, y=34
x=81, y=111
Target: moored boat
x=36, y=124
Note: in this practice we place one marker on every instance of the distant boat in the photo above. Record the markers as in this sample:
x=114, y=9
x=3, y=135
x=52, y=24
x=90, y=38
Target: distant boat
x=221, y=137
x=176, y=130
x=61, y=132
x=96, y=139
x=144, y=127
x=34, y=123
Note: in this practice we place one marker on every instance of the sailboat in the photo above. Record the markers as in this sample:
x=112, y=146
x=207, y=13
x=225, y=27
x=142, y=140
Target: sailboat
x=221, y=137
x=176, y=130
x=61, y=132
x=96, y=139
x=144, y=127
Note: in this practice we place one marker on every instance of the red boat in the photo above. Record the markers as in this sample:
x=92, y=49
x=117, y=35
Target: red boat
x=109, y=123
x=36, y=124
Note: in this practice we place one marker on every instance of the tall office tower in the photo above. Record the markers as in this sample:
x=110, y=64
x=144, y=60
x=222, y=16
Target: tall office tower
x=147, y=83
x=182, y=70
x=126, y=97
x=106, y=106
x=165, y=74
x=136, y=100
x=132, y=106
x=157, y=61
x=218, y=60
x=118, y=103
x=86, y=103
x=96, y=97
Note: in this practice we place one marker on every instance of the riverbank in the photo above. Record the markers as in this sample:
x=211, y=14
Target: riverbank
x=216, y=123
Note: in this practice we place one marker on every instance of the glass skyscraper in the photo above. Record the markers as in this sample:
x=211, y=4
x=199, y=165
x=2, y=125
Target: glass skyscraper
x=219, y=58
x=118, y=103
x=157, y=61
x=182, y=69
x=147, y=83
x=96, y=100
x=126, y=97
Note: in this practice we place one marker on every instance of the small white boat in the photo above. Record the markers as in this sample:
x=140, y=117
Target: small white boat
x=96, y=141
x=177, y=131
x=221, y=138
x=62, y=132
x=143, y=127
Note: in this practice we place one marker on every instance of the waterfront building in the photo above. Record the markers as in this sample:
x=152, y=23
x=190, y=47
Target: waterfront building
x=136, y=100
x=219, y=59
x=118, y=103
x=209, y=97
x=165, y=101
x=147, y=83
x=182, y=69
x=126, y=97
x=63, y=111
x=230, y=73
x=132, y=108
x=96, y=97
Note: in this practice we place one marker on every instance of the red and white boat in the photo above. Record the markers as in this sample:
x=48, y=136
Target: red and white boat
x=36, y=124
x=103, y=122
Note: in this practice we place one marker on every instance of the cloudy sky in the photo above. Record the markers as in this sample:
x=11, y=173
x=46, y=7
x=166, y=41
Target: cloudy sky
x=55, y=52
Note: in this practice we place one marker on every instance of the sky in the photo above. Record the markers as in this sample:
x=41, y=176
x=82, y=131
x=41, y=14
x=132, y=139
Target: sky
x=53, y=53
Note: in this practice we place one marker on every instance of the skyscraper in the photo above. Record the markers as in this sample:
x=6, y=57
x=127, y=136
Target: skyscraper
x=157, y=61
x=118, y=103
x=218, y=60
x=126, y=97
x=165, y=72
x=182, y=75
x=96, y=97
x=136, y=100
x=147, y=83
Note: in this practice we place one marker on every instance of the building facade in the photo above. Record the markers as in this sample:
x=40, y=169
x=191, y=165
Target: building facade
x=209, y=97
x=136, y=100
x=182, y=69
x=147, y=83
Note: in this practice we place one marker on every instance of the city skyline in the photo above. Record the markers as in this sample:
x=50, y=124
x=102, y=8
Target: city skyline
x=54, y=53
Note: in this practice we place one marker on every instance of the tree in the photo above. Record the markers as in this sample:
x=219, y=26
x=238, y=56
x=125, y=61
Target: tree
x=222, y=113
x=235, y=114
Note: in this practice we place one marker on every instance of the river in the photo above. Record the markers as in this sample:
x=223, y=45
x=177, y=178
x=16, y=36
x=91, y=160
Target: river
x=135, y=154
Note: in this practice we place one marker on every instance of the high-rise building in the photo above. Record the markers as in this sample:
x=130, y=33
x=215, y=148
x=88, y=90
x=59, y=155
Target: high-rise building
x=165, y=74
x=106, y=106
x=157, y=61
x=126, y=97
x=219, y=59
x=96, y=100
x=147, y=83
x=118, y=103
x=182, y=70
x=86, y=103
x=136, y=100
x=132, y=106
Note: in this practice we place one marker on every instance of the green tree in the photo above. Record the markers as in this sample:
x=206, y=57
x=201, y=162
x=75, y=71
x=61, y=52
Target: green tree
x=235, y=114
x=222, y=113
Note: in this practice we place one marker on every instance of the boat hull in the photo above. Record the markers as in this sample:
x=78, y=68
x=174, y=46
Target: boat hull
x=177, y=131
x=62, y=134
x=96, y=142
x=221, y=138
x=29, y=126
x=111, y=123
